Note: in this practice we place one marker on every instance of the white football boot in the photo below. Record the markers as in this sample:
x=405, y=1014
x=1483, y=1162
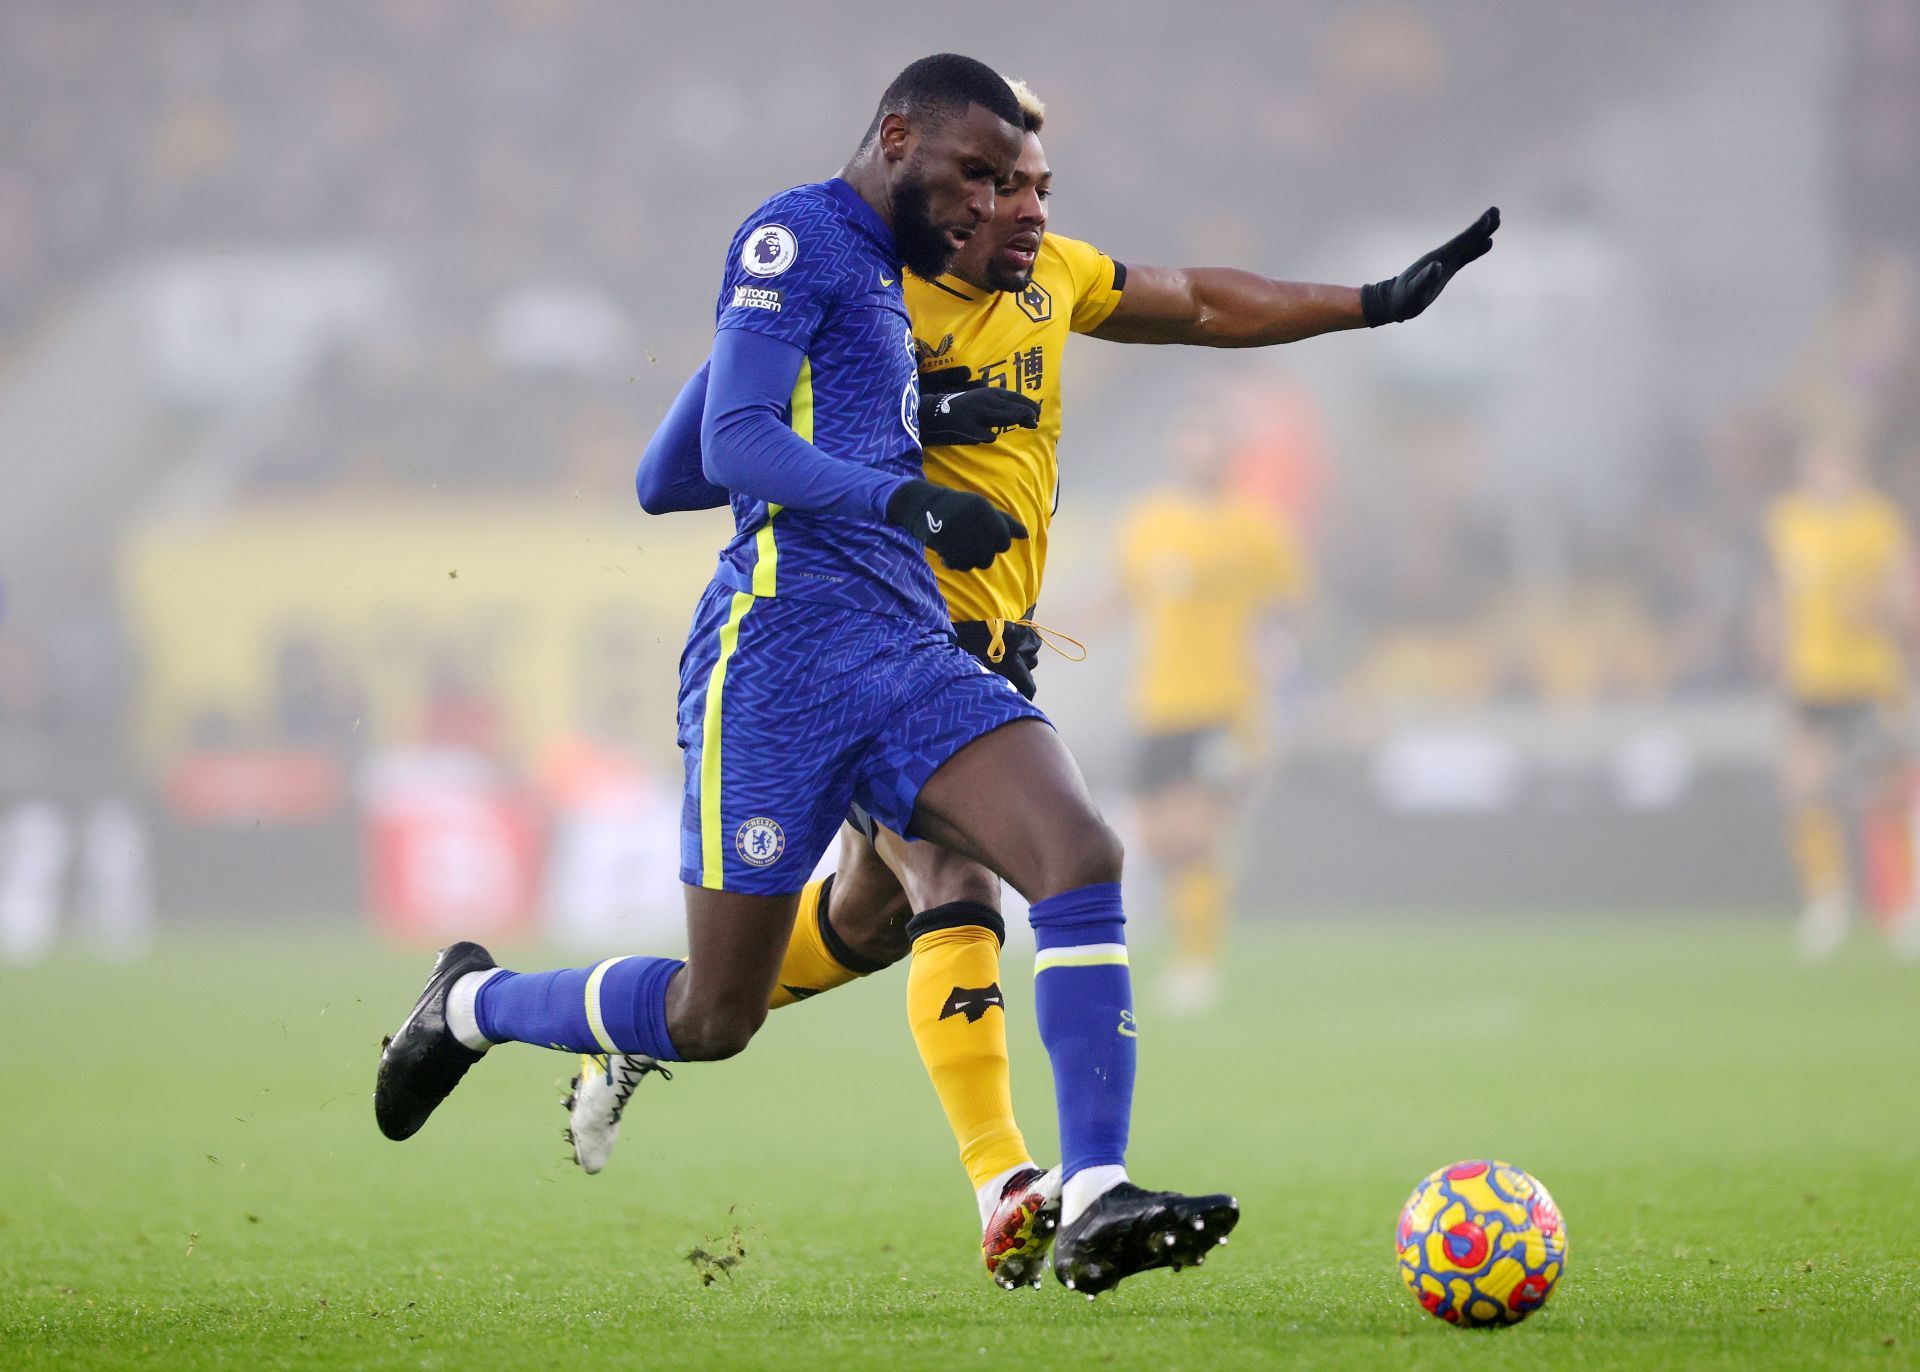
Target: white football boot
x=599, y=1098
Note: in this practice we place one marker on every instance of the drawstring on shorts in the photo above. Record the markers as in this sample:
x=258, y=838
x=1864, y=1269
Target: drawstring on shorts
x=997, y=644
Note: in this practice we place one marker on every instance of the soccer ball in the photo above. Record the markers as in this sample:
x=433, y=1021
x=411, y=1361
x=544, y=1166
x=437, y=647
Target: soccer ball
x=1481, y=1243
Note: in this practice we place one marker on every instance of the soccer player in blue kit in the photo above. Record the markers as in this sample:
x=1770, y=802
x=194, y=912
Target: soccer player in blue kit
x=822, y=671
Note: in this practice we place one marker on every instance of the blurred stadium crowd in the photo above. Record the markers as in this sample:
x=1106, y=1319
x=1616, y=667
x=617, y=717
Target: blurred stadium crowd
x=329, y=335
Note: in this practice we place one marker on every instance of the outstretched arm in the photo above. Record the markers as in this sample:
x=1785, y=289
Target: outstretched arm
x=1219, y=307
x=670, y=476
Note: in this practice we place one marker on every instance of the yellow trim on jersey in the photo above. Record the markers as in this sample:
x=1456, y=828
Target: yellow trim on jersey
x=594, y=1020
x=712, y=860
x=766, y=582
x=766, y=562
x=800, y=405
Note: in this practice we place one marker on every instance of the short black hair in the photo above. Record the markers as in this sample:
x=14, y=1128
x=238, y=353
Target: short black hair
x=945, y=84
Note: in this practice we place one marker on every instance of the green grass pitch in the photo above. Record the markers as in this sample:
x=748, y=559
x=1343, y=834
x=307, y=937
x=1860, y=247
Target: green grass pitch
x=190, y=1174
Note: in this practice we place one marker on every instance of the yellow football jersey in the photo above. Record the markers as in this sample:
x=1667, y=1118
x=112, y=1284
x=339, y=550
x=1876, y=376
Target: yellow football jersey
x=1201, y=571
x=1834, y=563
x=1015, y=341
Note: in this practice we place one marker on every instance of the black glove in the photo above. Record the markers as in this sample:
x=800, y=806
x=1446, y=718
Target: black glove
x=1022, y=654
x=955, y=409
x=1403, y=297
x=965, y=529
x=947, y=379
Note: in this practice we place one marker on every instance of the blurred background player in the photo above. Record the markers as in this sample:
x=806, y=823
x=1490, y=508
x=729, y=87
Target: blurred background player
x=73, y=841
x=1206, y=574
x=1842, y=618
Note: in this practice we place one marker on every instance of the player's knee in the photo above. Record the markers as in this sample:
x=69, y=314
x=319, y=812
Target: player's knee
x=887, y=946
x=730, y=1041
x=1107, y=853
x=951, y=881
x=874, y=927
x=1092, y=854
x=975, y=886
x=716, y=1033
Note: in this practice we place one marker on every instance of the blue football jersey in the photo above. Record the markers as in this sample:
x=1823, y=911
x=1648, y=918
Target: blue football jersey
x=817, y=268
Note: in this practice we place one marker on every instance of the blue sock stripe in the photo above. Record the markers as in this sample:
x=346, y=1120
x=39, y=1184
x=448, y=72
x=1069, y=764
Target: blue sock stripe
x=596, y=1020
x=616, y=1006
x=1080, y=955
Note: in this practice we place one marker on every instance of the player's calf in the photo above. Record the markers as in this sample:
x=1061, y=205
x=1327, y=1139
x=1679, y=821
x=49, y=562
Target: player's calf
x=711, y=1032
x=957, y=1012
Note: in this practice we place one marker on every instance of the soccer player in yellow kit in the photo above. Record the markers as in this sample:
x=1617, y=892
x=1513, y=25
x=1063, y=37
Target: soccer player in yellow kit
x=1844, y=619
x=996, y=325
x=1204, y=573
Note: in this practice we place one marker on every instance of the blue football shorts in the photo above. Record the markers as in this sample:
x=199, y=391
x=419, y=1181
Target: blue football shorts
x=792, y=711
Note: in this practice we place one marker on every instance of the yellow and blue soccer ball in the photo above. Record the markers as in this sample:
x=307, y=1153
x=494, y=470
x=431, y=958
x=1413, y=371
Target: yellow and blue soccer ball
x=1481, y=1243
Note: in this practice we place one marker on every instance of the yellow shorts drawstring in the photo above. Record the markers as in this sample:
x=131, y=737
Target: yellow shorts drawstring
x=997, y=643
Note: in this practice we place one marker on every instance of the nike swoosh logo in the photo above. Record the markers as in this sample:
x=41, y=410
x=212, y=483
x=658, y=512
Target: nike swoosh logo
x=935, y=525
x=886, y=280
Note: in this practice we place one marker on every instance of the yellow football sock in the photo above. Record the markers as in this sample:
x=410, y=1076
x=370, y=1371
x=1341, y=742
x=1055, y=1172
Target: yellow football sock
x=1819, y=851
x=960, y=1025
x=1199, y=910
x=816, y=959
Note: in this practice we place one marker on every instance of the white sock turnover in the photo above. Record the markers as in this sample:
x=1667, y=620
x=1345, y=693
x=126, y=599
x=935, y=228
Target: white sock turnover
x=1087, y=1186
x=988, y=1195
x=460, y=1013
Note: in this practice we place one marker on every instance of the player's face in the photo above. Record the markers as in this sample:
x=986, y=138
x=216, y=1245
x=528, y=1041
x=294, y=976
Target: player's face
x=943, y=180
x=1000, y=257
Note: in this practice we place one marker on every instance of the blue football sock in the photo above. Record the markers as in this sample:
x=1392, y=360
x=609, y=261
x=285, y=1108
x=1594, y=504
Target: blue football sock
x=616, y=1006
x=1083, y=997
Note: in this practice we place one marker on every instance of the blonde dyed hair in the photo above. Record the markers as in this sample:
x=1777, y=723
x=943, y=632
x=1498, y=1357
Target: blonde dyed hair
x=1033, y=110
